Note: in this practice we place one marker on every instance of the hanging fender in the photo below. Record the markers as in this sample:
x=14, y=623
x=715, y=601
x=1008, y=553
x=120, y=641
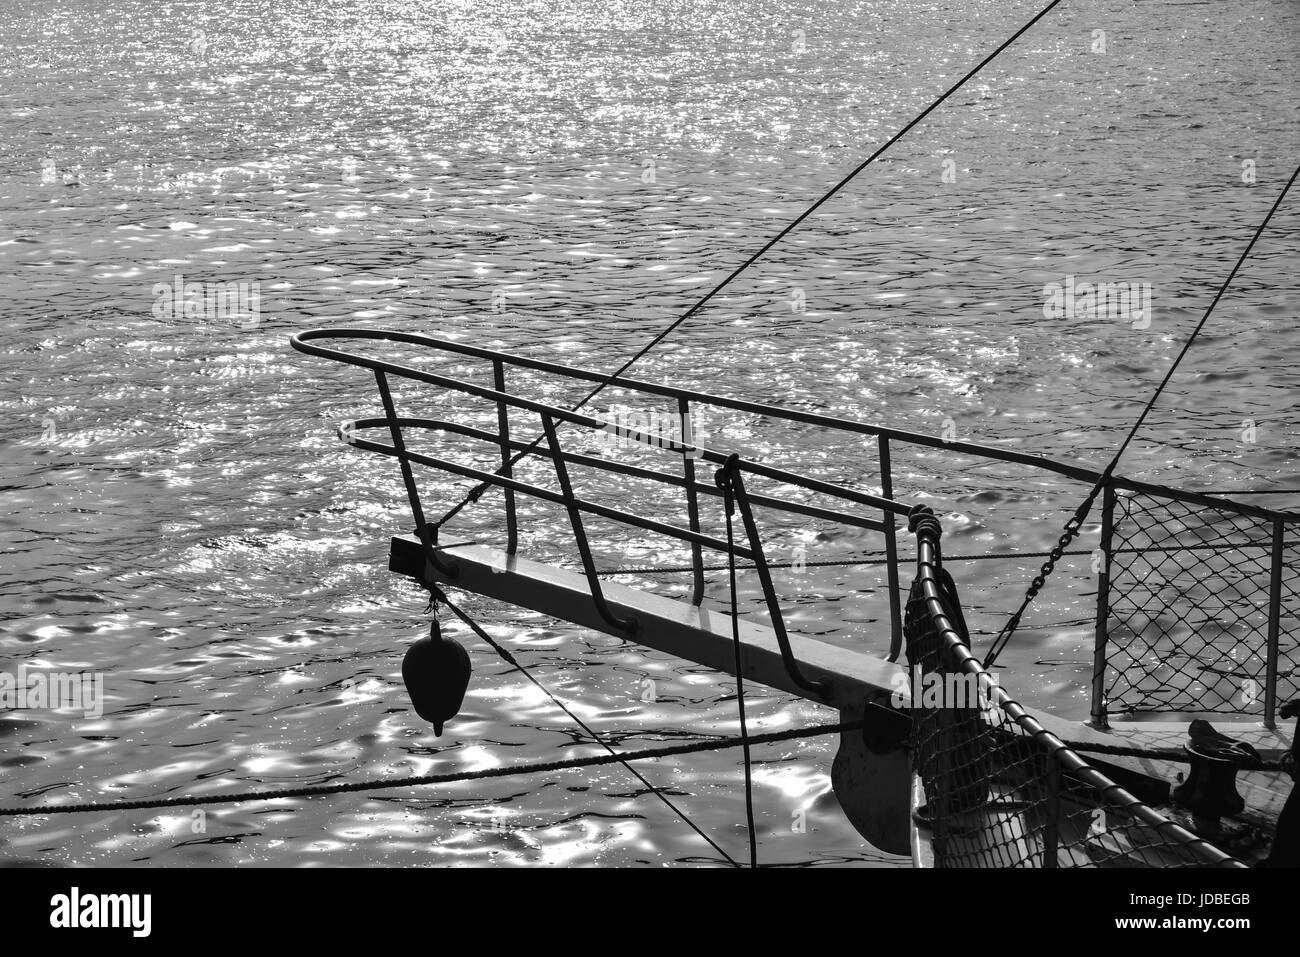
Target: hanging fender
x=871, y=776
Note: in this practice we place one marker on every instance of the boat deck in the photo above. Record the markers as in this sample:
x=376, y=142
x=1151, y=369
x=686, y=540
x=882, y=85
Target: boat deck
x=856, y=678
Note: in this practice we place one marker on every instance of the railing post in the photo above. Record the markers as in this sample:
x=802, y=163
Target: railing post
x=428, y=535
x=1099, y=718
x=1052, y=827
x=692, y=497
x=1274, y=628
x=891, y=552
x=579, y=533
x=503, y=431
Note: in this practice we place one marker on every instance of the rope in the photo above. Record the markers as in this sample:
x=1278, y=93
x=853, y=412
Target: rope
x=1081, y=513
x=844, y=563
x=474, y=494
x=853, y=562
x=723, y=479
x=513, y=662
x=595, y=760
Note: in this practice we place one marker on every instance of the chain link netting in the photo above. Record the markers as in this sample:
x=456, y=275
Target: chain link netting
x=1190, y=587
x=1001, y=792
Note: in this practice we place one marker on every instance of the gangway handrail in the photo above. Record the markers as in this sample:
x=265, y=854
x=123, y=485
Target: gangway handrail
x=560, y=460
x=302, y=342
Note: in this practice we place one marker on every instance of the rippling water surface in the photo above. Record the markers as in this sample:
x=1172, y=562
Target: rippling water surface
x=561, y=179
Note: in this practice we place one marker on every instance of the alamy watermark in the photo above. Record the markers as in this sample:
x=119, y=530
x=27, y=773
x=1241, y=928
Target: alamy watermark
x=237, y=304
x=1125, y=301
x=626, y=427
x=127, y=911
x=53, y=690
x=934, y=691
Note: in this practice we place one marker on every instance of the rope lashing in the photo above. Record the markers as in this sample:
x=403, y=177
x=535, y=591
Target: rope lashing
x=383, y=784
x=1076, y=521
x=758, y=254
x=921, y=518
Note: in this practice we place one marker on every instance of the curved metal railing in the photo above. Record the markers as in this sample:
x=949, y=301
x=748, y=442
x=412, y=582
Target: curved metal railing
x=549, y=449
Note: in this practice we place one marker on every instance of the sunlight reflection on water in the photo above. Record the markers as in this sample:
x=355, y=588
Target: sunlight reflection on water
x=182, y=517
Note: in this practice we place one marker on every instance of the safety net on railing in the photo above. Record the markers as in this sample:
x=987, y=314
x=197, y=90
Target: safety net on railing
x=999, y=789
x=1204, y=607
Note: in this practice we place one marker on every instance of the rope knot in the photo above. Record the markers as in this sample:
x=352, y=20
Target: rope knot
x=921, y=520
x=725, y=480
x=436, y=597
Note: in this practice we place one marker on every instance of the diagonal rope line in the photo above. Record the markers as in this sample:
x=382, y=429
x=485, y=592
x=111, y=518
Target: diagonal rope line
x=1075, y=523
x=385, y=784
x=474, y=494
x=510, y=659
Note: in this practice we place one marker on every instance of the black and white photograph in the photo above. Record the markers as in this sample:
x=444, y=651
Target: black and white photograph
x=650, y=435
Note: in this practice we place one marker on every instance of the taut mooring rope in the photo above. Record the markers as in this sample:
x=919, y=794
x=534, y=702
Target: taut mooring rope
x=595, y=760
x=991, y=556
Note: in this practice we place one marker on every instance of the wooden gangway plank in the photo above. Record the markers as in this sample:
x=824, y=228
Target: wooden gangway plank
x=665, y=624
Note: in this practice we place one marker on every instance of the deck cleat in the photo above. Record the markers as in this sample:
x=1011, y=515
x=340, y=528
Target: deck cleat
x=1210, y=791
